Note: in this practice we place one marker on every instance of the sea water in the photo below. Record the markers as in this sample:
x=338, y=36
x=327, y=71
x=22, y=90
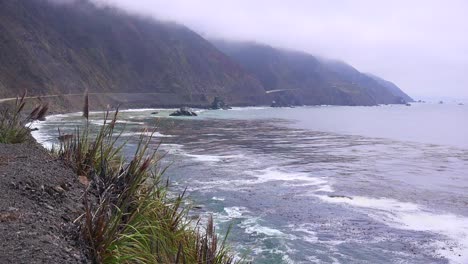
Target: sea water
x=324, y=184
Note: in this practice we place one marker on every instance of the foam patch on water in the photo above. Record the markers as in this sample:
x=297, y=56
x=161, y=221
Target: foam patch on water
x=42, y=138
x=235, y=211
x=62, y=116
x=146, y=134
x=178, y=148
x=230, y=213
x=252, y=226
x=205, y=158
x=411, y=216
x=129, y=122
x=210, y=158
x=299, y=178
x=248, y=108
x=306, y=232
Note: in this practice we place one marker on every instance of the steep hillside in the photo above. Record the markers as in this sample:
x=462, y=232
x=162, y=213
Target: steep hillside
x=311, y=80
x=379, y=88
x=395, y=90
x=49, y=49
x=65, y=48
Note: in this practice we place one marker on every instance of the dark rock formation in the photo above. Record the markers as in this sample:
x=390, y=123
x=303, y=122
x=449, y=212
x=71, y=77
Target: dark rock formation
x=218, y=103
x=285, y=99
x=184, y=111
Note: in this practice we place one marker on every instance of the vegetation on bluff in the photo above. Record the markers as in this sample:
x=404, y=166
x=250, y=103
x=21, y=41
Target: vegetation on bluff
x=129, y=215
x=15, y=125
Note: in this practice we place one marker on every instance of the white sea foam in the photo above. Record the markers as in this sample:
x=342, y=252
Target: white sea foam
x=172, y=147
x=235, y=211
x=146, y=134
x=411, y=216
x=210, y=158
x=129, y=122
x=297, y=178
x=96, y=122
x=306, y=231
x=42, y=138
x=204, y=158
x=252, y=226
x=217, y=198
x=62, y=116
x=249, y=108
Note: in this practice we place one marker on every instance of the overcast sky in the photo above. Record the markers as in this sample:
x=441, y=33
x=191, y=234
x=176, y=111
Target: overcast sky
x=421, y=45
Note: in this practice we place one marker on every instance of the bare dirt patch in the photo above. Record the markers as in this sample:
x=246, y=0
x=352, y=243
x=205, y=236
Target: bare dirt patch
x=39, y=199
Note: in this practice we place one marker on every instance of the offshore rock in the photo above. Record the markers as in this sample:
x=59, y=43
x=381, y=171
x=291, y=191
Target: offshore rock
x=218, y=103
x=184, y=111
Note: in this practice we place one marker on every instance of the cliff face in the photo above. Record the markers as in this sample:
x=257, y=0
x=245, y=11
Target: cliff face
x=393, y=88
x=65, y=48
x=312, y=80
x=50, y=48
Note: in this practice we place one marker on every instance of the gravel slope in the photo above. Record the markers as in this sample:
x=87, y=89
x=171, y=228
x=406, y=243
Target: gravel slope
x=39, y=199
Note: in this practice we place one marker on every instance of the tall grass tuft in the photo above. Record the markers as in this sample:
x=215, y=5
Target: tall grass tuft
x=129, y=215
x=15, y=125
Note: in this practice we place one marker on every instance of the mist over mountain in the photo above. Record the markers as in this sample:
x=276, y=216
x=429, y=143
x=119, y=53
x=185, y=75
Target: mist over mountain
x=312, y=80
x=393, y=88
x=65, y=48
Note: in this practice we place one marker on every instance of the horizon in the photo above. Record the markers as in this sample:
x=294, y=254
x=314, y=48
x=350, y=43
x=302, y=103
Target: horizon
x=373, y=38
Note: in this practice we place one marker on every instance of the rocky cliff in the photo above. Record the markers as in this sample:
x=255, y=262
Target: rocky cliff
x=308, y=79
x=50, y=48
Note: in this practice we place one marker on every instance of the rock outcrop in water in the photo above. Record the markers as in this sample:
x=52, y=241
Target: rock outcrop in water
x=184, y=111
x=218, y=103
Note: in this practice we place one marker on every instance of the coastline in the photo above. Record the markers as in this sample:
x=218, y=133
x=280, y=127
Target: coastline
x=362, y=203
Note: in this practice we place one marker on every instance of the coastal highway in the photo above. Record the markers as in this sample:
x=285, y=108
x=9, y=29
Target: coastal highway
x=39, y=96
x=66, y=95
x=57, y=95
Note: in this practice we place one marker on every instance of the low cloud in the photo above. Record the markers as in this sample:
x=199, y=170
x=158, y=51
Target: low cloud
x=420, y=45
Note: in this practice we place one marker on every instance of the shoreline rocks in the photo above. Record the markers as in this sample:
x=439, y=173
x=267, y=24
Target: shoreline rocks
x=218, y=103
x=184, y=111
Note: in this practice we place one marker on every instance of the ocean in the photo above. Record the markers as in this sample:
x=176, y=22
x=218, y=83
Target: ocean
x=323, y=184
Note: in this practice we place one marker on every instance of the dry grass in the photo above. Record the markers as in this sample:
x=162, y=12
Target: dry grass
x=15, y=125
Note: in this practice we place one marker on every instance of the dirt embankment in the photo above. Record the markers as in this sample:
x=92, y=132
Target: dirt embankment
x=40, y=198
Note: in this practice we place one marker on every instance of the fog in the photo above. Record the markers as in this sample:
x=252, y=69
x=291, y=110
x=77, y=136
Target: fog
x=422, y=46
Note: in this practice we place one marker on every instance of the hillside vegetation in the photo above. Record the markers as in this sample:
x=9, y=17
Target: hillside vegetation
x=66, y=48
x=317, y=80
x=50, y=49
